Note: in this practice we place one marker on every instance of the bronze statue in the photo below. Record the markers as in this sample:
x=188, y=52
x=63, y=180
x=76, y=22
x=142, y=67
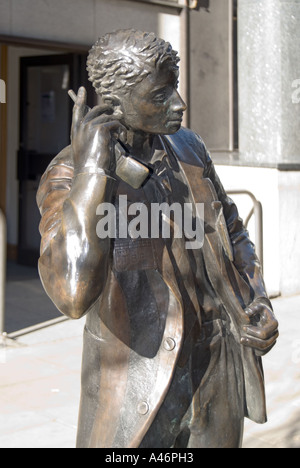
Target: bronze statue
x=174, y=335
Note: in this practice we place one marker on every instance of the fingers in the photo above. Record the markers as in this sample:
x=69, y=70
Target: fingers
x=98, y=111
x=262, y=321
x=79, y=109
x=104, y=115
x=262, y=333
x=72, y=95
x=254, y=308
x=118, y=130
x=261, y=347
x=111, y=129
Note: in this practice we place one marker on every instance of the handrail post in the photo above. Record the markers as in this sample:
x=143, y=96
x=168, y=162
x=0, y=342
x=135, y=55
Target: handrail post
x=257, y=211
x=2, y=271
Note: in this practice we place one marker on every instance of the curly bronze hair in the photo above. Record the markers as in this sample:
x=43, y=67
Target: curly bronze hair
x=121, y=59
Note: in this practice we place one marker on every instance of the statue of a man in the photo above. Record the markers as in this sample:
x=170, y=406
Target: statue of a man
x=174, y=335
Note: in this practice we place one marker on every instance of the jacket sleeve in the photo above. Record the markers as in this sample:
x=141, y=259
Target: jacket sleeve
x=74, y=262
x=244, y=257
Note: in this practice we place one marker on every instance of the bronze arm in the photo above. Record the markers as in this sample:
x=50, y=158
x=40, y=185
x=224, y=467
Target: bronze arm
x=74, y=261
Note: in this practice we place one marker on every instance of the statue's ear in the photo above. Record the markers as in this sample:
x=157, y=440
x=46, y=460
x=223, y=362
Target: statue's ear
x=111, y=100
x=115, y=103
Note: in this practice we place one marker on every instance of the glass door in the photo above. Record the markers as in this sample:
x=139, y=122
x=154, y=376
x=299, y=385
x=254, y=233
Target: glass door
x=45, y=122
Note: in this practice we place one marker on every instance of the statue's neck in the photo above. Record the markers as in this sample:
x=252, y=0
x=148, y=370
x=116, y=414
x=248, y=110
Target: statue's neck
x=141, y=145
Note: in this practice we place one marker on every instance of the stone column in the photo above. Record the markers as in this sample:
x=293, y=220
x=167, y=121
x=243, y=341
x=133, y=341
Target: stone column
x=211, y=74
x=269, y=67
x=269, y=129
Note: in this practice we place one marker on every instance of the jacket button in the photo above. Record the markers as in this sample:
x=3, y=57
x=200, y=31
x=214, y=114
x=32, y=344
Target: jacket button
x=169, y=344
x=143, y=407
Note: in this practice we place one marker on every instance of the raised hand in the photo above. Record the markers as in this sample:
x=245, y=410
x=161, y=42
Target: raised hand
x=92, y=135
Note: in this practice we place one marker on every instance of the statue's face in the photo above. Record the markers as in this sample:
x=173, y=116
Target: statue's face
x=154, y=105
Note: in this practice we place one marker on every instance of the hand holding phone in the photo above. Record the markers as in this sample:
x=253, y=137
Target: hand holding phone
x=98, y=141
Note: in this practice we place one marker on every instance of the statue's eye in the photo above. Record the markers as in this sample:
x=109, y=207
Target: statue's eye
x=161, y=95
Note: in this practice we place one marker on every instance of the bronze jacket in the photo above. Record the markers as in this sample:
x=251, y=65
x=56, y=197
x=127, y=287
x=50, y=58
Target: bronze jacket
x=123, y=385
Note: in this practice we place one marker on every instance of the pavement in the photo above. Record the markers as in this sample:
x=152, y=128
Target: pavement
x=40, y=379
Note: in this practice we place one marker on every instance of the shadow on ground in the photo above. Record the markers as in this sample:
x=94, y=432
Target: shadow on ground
x=26, y=303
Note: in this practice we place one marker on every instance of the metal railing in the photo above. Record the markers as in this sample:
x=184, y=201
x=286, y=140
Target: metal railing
x=257, y=212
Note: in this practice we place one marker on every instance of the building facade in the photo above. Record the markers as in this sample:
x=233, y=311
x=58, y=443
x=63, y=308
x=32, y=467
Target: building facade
x=239, y=72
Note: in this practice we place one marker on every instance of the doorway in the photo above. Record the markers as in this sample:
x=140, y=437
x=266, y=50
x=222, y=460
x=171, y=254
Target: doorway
x=37, y=126
x=45, y=122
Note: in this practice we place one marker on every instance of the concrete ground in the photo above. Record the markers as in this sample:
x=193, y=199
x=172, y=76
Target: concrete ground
x=40, y=376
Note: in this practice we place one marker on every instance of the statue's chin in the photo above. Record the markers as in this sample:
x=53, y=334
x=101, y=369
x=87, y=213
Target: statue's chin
x=173, y=127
